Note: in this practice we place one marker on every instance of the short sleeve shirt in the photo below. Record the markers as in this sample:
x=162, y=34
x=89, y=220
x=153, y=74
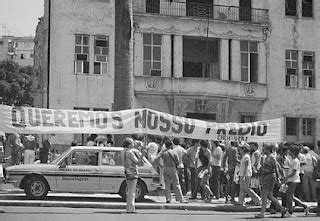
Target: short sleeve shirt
x=294, y=165
x=248, y=172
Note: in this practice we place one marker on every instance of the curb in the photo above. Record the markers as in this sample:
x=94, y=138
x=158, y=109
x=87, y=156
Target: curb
x=141, y=206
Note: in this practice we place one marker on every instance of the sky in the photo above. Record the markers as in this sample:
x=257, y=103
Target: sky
x=20, y=17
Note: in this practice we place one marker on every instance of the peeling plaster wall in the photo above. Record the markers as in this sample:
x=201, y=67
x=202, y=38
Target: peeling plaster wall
x=68, y=18
x=292, y=33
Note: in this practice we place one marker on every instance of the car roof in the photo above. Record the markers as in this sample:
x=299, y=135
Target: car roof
x=96, y=148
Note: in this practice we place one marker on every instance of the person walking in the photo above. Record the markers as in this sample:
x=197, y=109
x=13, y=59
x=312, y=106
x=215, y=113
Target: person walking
x=229, y=162
x=245, y=177
x=131, y=158
x=292, y=180
x=204, y=175
x=202, y=153
x=181, y=152
x=283, y=166
x=191, y=159
x=268, y=177
x=216, y=159
x=170, y=173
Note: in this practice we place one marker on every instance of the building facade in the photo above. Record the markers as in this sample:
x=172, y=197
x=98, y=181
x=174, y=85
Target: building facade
x=18, y=49
x=215, y=60
x=6, y=48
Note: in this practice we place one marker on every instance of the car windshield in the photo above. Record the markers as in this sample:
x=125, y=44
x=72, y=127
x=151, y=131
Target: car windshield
x=62, y=155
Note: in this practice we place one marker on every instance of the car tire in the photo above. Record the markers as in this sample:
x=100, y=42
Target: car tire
x=141, y=190
x=36, y=188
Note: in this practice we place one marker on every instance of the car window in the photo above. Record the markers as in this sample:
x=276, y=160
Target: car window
x=111, y=158
x=85, y=158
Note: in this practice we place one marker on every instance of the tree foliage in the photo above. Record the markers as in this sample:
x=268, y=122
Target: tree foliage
x=15, y=83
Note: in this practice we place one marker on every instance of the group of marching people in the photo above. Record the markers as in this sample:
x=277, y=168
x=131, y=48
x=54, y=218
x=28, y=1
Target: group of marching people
x=216, y=169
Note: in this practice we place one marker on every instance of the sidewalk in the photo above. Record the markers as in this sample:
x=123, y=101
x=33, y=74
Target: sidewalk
x=152, y=201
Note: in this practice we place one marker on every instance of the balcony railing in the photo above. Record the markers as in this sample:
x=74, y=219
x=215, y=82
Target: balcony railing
x=210, y=11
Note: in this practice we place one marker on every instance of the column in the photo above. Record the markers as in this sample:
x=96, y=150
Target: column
x=138, y=54
x=262, y=64
x=178, y=56
x=224, y=59
x=235, y=60
x=166, y=56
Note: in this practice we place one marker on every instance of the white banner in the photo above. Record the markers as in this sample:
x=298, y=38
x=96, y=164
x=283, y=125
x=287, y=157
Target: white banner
x=28, y=120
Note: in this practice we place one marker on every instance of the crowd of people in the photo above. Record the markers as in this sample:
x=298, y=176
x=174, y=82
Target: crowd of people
x=25, y=149
x=214, y=170
x=211, y=169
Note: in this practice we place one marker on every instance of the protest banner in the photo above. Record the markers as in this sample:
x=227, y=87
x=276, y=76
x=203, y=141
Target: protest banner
x=49, y=121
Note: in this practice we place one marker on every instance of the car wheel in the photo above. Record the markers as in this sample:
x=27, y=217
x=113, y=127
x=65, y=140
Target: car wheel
x=141, y=191
x=36, y=188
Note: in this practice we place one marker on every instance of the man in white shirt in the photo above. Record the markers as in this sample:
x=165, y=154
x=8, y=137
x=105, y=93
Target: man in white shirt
x=308, y=183
x=181, y=152
x=216, y=160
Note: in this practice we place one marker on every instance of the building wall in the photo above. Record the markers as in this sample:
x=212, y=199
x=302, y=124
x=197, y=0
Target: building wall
x=67, y=89
x=24, y=50
x=6, y=41
x=292, y=33
x=225, y=97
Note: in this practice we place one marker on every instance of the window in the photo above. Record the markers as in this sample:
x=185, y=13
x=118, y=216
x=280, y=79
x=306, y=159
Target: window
x=245, y=10
x=100, y=109
x=111, y=158
x=21, y=56
x=307, y=126
x=153, y=6
x=291, y=68
x=291, y=7
x=307, y=8
x=101, y=52
x=249, y=61
x=85, y=158
x=152, y=54
x=308, y=70
x=1, y=43
x=202, y=116
x=200, y=8
x=292, y=126
x=10, y=47
x=82, y=54
x=247, y=118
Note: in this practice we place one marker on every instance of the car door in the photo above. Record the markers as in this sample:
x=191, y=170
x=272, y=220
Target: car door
x=112, y=171
x=80, y=172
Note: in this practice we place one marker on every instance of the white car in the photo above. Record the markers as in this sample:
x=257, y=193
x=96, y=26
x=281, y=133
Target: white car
x=82, y=169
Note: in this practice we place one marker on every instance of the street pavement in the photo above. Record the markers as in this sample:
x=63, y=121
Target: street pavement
x=11, y=196
x=85, y=214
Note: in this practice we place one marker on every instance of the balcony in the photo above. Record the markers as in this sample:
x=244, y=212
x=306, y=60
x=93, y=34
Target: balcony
x=207, y=11
x=199, y=87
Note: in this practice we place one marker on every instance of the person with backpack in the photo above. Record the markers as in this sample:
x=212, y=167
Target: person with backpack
x=170, y=172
